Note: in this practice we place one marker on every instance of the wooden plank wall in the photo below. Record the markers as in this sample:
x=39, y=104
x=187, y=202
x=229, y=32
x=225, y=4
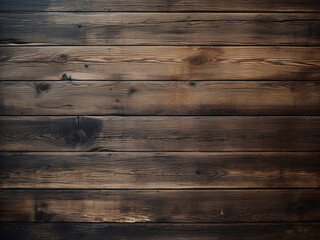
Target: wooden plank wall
x=160, y=119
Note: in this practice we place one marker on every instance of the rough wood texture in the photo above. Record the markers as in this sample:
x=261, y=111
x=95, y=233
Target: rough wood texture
x=161, y=5
x=174, y=147
x=159, y=170
x=160, y=63
x=148, y=231
x=160, y=205
x=160, y=133
x=160, y=98
x=160, y=28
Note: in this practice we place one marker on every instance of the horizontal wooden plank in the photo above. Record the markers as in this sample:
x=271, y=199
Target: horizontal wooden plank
x=67, y=28
x=160, y=205
x=164, y=231
x=160, y=63
x=161, y=5
x=160, y=98
x=18, y=133
x=159, y=170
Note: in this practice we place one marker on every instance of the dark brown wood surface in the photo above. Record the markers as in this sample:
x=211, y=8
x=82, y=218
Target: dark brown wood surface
x=160, y=231
x=98, y=28
x=159, y=119
x=162, y=5
x=21, y=133
x=160, y=63
x=160, y=205
x=168, y=98
x=159, y=170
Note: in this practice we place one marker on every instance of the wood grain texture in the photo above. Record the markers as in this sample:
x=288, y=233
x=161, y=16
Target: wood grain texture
x=159, y=170
x=161, y=5
x=58, y=28
x=160, y=98
x=159, y=119
x=164, y=231
x=160, y=63
x=160, y=205
x=159, y=133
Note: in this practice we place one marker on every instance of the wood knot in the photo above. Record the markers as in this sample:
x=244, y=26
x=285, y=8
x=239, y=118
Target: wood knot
x=62, y=58
x=198, y=59
x=78, y=136
x=198, y=172
x=66, y=78
x=295, y=86
x=42, y=87
x=45, y=167
x=132, y=90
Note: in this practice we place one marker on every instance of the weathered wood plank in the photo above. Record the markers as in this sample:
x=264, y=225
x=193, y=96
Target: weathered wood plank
x=159, y=170
x=164, y=231
x=159, y=133
x=160, y=63
x=160, y=205
x=160, y=98
x=160, y=28
x=161, y=5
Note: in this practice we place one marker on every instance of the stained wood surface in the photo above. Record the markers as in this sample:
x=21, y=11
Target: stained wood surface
x=68, y=28
x=160, y=205
x=159, y=170
x=160, y=63
x=160, y=133
x=182, y=119
x=162, y=5
x=164, y=231
x=160, y=98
